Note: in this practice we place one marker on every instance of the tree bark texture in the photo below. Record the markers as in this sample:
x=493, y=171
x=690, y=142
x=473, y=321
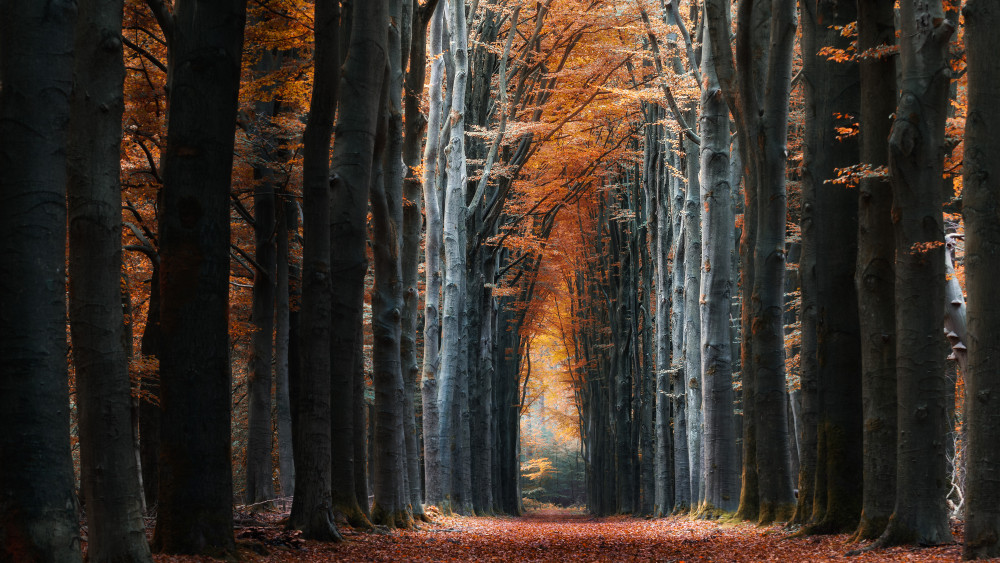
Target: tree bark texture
x=108, y=461
x=719, y=470
x=875, y=275
x=312, y=507
x=831, y=91
x=196, y=489
x=915, y=166
x=692, y=318
x=38, y=520
x=353, y=168
x=982, y=244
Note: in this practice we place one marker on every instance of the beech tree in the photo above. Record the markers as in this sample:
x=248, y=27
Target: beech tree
x=915, y=164
x=979, y=205
x=196, y=488
x=38, y=519
x=875, y=276
x=108, y=460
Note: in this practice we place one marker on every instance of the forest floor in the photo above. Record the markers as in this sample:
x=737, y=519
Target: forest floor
x=563, y=535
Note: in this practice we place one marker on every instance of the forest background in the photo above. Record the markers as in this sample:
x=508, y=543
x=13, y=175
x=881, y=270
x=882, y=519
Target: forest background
x=335, y=252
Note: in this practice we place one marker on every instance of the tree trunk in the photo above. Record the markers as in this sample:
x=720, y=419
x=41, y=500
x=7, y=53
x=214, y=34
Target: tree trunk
x=412, y=224
x=454, y=268
x=260, y=465
x=196, y=488
x=312, y=507
x=982, y=493
x=37, y=502
x=692, y=320
x=353, y=167
x=108, y=464
x=663, y=233
x=391, y=495
x=719, y=470
x=432, y=265
x=875, y=274
x=287, y=217
x=832, y=90
x=915, y=165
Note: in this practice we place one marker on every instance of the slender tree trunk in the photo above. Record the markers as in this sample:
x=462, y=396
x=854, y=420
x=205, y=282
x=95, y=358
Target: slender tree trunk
x=875, y=275
x=286, y=216
x=432, y=265
x=663, y=232
x=982, y=493
x=312, y=508
x=692, y=320
x=915, y=166
x=260, y=464
x=719, y=470
x=777, y=502
x=38, y=519
x=109, y=473
x=196, y=488
x=412, y=224
x=353, y=168
x=454, y=268
x=391, y=494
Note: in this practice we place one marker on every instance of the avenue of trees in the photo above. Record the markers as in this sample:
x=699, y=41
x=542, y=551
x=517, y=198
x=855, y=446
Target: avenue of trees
x=293, y=250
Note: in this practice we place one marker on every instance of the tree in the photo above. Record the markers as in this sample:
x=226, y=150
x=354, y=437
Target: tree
x=313, y=423
x=982, y=525
x=108, y=461
x=195, y=493
x=915, y=165
x=875, y=276
x=719, y=466
x=832, y=93
x=38, y=519
x=353, y=168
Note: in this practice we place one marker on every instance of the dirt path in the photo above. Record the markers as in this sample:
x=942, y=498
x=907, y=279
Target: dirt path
x=563, y=536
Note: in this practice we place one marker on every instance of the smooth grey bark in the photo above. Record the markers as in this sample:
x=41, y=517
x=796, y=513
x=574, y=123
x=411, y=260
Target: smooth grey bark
x=915, y=167
x=875, y=276
x=662, y=233
x=682, y=476
x=982, y=239
x=312, y=507
x=719, y=470
x=412, y=225
x=196, y=489
x=777, y=502
x=38, y=519
x=692, y=320
x=108, y=461
x=432, y=263
x=452, y=346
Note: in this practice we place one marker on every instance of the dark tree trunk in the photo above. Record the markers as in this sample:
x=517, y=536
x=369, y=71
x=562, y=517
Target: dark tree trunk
x=982, y=493
x=831, y=90
x=391, y=506
x=38, y=519
x=352, y=165
x=108, y=464
x=196, y=488
x=875, y=274
x=312, y=507
x=260, y=465
x=287, y=216
x=915, y=165
x=149, y=386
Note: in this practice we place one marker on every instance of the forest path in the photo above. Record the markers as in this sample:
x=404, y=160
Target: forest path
x=561, y=535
